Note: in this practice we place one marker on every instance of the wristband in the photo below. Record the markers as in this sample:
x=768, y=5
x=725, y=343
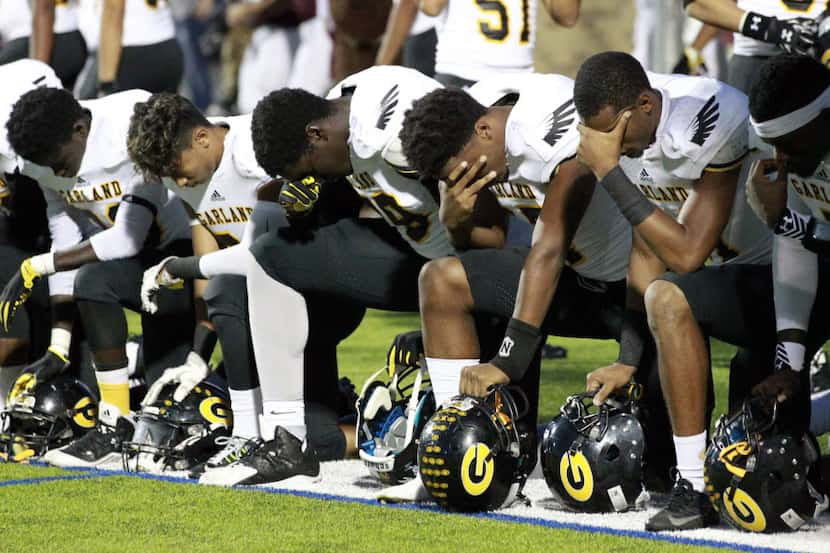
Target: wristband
x=43, y=264
x=817, y=237
x=107, y=87
x=518, y=347
x=789, y=356
x=792, y=225
x=204, y=340
x=754, y=25
x=60, y=341
x=633, y=205
x=184, y=267
x=633, y=336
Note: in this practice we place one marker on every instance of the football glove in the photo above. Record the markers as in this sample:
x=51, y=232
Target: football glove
x=20, y=286
x=405, y=351
x=299, y=197
x=187, y=376
x=50, y=365
x=779, y=387
x=691, y=63
x=153, y=280
x=794, y=36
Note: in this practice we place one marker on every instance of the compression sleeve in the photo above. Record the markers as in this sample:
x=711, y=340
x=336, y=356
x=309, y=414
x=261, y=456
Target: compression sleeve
x=126, y=236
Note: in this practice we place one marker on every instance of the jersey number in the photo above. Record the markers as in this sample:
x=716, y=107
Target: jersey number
x=417, y=225
x=499, y=32
x=798, y=5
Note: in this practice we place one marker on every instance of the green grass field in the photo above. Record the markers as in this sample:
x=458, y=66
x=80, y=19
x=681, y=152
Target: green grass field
x=118, y=513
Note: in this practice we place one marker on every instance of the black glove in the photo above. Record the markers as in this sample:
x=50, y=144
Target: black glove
x=780, y=386
x=405, y=351
x=691, y=63
x=44, y=369
x=794, y=36
x=17, y=291
x=298, y=197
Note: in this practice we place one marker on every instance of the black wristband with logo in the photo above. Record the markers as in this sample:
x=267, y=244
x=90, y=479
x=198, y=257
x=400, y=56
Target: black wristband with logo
x=757, y=26
x=517, y=349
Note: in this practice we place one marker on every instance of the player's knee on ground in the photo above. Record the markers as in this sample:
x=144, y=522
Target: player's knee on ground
x=443, y=283
x=666, y=305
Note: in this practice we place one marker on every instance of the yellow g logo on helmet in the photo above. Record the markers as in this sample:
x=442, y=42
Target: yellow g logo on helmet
x=576, y=476
x=216, y=410
x=86, y=413
x=744, y=511
x=477, y=469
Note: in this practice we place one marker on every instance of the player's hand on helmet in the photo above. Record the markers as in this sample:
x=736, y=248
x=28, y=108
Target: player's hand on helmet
x=601, y=151
x=406, y=351
x=187, y=376
x=298, y=197
x=460, y=190
x=50, y=365
x=20, y=286
x=691, y=63
x=476, y=380
x=153, y=280
x=795, y=36
x=605, y=380
x=779, y=387
x=767, y=190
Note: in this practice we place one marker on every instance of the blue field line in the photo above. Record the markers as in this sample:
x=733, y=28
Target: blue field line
x=640, y=534
x=43, y=479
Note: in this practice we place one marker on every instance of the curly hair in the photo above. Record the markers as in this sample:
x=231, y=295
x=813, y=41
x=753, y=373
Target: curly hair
x=786, y=83
x=160, y=130
x=278, y=127
x=41, y=121
x=437, y=128
x=613, y=79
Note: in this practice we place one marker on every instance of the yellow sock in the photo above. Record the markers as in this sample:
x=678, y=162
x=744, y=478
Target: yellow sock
x=115, y=389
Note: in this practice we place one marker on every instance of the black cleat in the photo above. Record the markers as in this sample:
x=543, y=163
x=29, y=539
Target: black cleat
x=687, y=510
x=97, y=447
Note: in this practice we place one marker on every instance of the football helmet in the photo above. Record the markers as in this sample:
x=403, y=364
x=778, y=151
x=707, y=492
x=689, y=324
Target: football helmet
x=757, y=475
x=593, y=457
x=47, y=416
x=178, y=435
x=474, y=455
x=390, y=417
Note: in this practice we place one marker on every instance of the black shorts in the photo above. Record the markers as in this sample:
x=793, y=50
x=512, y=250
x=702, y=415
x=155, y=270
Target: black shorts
x=153, y=67
x=68, y=55
x=364, y=262
x=581, y=307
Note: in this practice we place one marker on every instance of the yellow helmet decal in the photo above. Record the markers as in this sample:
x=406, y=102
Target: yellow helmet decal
x=477, y=469
x=216, y=410
x=85, y=413
x=744, y=511
x=576, y=475
x=728, y=455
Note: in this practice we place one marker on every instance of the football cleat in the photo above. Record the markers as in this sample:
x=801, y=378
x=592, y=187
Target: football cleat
x=233, y=449
x=687, y=510
x=97, y=447
x=412, y=491
x=283, y=460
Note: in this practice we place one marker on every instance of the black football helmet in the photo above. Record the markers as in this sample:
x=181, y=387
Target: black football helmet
x=593, y=457
x=390, y=417
x=757, y=475
x=474, y=455
x=47, y=416
x=171, y=435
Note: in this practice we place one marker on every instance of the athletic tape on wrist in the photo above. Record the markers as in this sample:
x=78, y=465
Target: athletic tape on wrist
x=633, y=205
x=43, y=264
x=518, y=347
x=60, y=341
x=184, y=267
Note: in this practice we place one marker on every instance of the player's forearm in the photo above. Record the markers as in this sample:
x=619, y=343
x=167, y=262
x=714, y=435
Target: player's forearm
x=724, y=14
x=43, y=21
x=706, y=34
x=401, y=18
x=538, y=283
x=109, y=47
x=75, y=257
x=564, y=12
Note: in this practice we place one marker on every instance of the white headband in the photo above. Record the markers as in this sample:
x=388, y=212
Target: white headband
x=794, y=120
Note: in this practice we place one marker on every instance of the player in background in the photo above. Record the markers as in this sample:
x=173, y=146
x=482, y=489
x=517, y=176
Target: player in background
x=23, y=229
x=669, y=150
x=410, y=38
x=100, y=209
x=762, y=28
x=131, y=32
x=44, y=30
x=478, y=39
x=231, y=200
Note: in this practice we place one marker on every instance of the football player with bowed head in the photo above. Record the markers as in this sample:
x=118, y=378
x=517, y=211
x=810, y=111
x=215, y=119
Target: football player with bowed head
x=669, y=150
x=108, y=223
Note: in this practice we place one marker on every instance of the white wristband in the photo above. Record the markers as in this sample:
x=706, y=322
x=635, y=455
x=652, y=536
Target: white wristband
x=43, y=264
x=61, y=338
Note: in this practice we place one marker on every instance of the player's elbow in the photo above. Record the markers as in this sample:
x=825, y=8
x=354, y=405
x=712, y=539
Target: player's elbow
x=687, y=262
x=432, y=7
x=546, y=256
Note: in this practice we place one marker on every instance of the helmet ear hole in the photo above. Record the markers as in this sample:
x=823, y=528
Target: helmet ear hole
x=613, y=453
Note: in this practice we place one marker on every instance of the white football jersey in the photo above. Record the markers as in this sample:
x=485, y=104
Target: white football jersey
x=380, y=97
x=703, y=127
x=781, y=9
x=107, y=175
x=16, y=18
x=224, y=204
x=540, y=134
x=18, y=78
x=479, y=37
x=145, y=22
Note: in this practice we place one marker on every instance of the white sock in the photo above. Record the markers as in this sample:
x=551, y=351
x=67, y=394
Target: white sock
x=8, y=375
x=288, y=414
x=690, y=451
x=445, y=375
x=246, y=406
